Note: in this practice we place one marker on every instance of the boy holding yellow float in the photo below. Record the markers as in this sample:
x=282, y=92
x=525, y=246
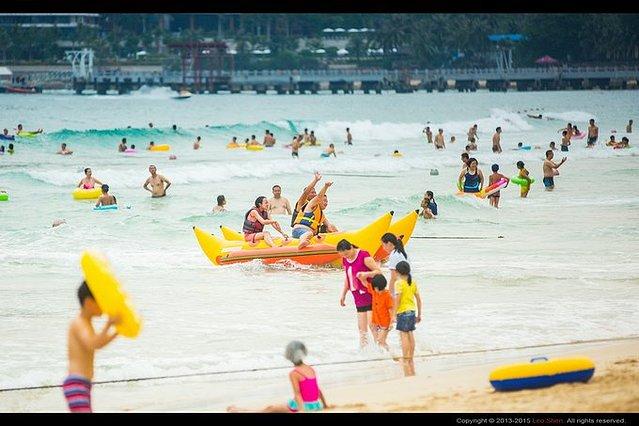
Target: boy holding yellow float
x=82, y=343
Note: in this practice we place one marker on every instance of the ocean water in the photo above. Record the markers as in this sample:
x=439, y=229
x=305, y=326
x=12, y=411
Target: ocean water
x=564, y=270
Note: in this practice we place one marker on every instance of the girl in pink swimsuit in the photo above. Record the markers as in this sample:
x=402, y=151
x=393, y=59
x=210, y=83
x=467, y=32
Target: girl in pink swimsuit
x=308, y=396
x=88, y=181
x=359, y=266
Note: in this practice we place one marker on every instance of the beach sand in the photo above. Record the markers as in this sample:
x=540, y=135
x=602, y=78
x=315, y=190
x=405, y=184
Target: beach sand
x=451, y=383
x=613, y=388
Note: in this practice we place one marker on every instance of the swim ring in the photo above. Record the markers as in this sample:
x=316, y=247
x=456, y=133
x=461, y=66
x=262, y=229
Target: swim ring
x=26, y=134
x=8, y=137
x=107, y=292
x=579, y=135
x=109, y=207
x=164, y=147
x=541, y=372
x=4, y=196
x=525, y=147
x=254, y=147
x=130, y=151
x=86, y=194
x=235, y=146
x=397, y=154
x=521, y=182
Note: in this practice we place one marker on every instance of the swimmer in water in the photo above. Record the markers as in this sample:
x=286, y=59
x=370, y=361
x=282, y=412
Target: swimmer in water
x=122, y=147
x=157, y=183
x=494, y=178
x=197, y=143
x=550, y=170
x=523, y=174
x=88, y=181
x=439, y=140
x=151, y=145
x=330, y=150
x=64, y=150
x=106, y=199
x=221, y=202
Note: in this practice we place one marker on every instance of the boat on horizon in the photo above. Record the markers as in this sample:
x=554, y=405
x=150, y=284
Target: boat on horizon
x=183, y=94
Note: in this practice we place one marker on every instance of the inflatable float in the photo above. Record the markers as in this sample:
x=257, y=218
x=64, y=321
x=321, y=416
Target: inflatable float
x=541, y=373
x=130, y=151
x=521, y=182
x=235, y=146
x=103, y=208
x=397, y=154
x=4, y=196
x=254, y=147
x=26, y=134
x=488, y=190
x=7, y=137
x=164, y=147
x=402, y=228
x=225, y=252
x=86, y=194
x=108, y=294
x=579, y=135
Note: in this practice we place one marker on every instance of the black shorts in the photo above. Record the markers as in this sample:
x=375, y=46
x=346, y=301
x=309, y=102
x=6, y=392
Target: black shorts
x=364, y=308
x=564, y=148
x=295, y=154
x=592, y=140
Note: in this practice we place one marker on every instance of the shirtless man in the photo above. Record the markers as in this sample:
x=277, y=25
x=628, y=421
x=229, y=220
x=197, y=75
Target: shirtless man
x=550, y=170
x=472, y=134
x=429, y=134
x=197, y=143
x=157, y=183
x=629, y=127
x=306, y=139
x=593, y=134
x=122, y=147
x=64, y=150
x=349, y=137
x=278, y=204
x=565, y=141
x=106, y=199
x=253, y=141
x=439, y=140
x=233, y=142
x=497, y=140
x=312, y=140
x=295, y=147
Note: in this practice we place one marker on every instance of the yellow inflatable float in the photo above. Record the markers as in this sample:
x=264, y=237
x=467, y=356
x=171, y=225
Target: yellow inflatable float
x=235, y=145
x=86, y=194
x=224, y=252
x=108, y=294
x=254, y=147
x=164, y=147
x=541, y=373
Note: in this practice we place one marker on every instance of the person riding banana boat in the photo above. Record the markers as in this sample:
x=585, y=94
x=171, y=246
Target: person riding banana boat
x=311, y=217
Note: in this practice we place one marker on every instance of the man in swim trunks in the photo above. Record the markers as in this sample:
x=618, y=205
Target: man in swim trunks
x=593, y=134
x=497, y=140
x=472, y=134
x=349, y=137
x=629, y=127
x=550, y=170
x=295, y=147
x=122, y=147
x=429, y=134
x=565, y=141
x=254, y=222
x=157, y=183
x=64, y=150
x=82, y=343
x=106, y=199
x=439, y=140
x=309, y=220
x=278, y=204
x=88, y=181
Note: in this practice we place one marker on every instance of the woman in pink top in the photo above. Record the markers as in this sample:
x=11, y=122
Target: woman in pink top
x=308, y=396
x=88, y=181
x=359, y=266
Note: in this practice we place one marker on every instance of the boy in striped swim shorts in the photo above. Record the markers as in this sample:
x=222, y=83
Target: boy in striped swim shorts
x=82, y=343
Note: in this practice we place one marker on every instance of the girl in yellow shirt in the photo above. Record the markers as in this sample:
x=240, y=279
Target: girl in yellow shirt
x=407, y=296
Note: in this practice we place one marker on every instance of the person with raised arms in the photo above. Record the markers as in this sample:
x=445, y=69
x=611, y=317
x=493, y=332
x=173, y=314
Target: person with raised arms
x=307, y=195
x=550, y=170
x=311, y=217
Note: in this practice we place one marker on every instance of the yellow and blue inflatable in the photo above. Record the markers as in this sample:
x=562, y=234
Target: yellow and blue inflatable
x=541, y=373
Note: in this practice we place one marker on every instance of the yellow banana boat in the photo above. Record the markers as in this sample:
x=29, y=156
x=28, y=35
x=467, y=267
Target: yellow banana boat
x=402, y=228
x=224, y=252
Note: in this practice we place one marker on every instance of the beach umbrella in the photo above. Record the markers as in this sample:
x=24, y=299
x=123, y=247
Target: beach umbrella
x=546, y=60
